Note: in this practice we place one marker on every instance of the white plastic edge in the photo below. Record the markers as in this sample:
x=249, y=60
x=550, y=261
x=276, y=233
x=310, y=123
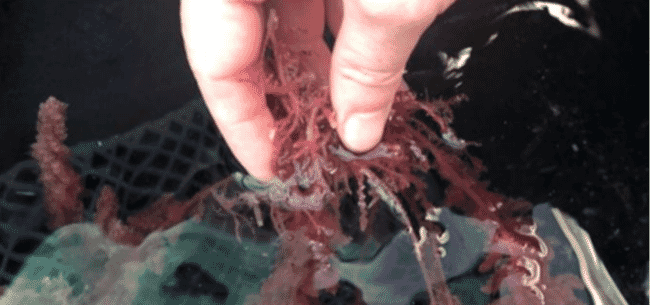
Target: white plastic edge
x=599, y=283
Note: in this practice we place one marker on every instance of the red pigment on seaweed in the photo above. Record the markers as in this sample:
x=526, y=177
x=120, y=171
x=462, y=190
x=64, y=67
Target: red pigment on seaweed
x=519, y=279
x=61, y=184
x=62, y=187
x=314, y=172
x=163, y=214
x=311, y=157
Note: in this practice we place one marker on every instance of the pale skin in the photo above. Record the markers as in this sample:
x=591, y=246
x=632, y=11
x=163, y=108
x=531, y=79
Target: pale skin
x=374, y=38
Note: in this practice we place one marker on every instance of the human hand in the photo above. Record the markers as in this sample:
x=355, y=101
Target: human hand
x=223, y=40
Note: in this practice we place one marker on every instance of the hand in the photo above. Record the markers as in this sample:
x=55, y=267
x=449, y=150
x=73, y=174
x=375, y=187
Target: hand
x=223, y=40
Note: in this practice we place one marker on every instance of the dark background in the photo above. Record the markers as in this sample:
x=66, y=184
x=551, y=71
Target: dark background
x=562, y=116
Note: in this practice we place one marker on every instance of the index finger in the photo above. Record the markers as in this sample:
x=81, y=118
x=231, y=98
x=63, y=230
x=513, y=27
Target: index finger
x=223, y=40
x=375, y=40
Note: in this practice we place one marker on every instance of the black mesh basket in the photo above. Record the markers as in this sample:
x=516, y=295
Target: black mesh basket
x=180, y=153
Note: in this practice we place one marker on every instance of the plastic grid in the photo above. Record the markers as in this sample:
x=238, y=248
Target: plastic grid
x=180, y=153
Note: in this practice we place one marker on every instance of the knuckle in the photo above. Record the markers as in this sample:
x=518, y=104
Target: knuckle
x=224, y=44
x=218, y=67
x=370, y=77
x=393, y=11
x=367, y=71
x=379, y=11
x=401, y=12
x=216, y=58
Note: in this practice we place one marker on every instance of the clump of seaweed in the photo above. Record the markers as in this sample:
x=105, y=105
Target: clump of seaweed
x=61, y=184
x=62, y=188
x=314, y=171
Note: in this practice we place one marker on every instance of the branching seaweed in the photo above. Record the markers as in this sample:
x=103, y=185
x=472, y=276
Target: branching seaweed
x=314, y=171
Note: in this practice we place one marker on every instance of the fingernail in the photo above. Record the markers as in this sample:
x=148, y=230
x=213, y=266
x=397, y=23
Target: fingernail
x=361, y=133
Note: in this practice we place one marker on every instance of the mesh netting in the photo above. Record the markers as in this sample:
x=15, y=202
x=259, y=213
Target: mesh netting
x=179, y=153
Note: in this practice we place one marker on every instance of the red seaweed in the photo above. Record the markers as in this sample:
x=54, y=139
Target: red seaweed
x=61, y=184
x=314, y=171
x=62, y=187
x=529, y=281
x=163, y=214
x=313, y=165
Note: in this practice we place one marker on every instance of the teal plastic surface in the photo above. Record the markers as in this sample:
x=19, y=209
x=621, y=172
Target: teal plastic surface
x=77, y=265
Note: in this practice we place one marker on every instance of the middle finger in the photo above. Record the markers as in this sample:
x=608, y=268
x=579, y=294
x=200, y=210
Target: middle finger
x=300, y=28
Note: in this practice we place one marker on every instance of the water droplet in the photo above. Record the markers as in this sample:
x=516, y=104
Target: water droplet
x=442, y=252
x=443, y=238
x=272, y=134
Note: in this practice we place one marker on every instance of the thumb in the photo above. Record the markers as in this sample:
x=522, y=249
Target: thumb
x=367, y=66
